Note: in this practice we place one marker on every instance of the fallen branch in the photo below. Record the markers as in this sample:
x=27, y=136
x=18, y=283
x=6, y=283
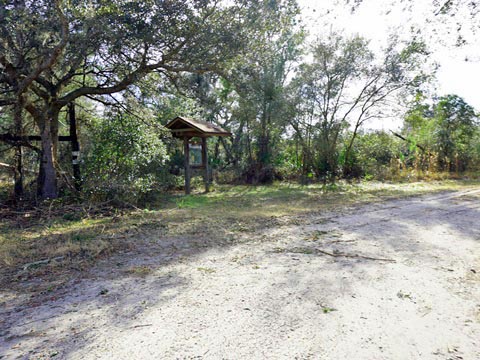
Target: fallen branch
x=337, y=254
x=12, y=168
x=42, y=262
x=353, y=256
x=139, y=326
x=340, y=241
x=9, y=167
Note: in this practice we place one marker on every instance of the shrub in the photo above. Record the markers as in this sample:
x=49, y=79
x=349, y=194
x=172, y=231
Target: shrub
x=126, y=159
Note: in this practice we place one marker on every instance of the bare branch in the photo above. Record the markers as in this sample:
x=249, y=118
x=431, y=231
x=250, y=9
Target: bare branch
x=57, y=50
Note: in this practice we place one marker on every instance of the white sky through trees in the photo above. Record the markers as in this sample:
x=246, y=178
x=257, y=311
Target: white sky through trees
x=459, y=71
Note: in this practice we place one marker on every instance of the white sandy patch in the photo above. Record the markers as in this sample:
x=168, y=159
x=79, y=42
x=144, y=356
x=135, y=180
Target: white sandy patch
x=278, y=296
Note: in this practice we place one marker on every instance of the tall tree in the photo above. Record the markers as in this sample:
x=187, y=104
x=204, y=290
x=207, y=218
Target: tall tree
x=456, y=122
x=259, y=79
x=53, y=52
x=344, y=85
x=446, y=129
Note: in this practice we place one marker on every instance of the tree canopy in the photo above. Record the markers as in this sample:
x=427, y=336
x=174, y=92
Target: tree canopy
x=55, y=52
x=296, y=107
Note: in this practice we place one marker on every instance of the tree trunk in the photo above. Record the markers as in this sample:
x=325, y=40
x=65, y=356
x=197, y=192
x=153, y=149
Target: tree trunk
x=347, y=169
x=263, y=155
x=18, y=174
x=77, y=176
x=263, y=151
x=47, y=177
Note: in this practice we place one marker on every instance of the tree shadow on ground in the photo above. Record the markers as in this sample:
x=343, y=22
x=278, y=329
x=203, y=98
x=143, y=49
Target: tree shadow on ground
x=120, y=291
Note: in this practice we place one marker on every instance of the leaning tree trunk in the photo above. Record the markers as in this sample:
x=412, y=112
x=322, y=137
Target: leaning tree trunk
x=47, y=176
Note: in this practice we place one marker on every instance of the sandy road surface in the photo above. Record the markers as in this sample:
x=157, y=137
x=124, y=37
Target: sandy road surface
x=292, y=292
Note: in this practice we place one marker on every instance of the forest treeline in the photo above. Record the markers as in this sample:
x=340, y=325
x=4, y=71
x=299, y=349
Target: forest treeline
x=297, y=108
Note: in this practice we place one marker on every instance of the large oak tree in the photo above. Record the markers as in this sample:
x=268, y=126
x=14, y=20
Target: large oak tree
x=53, y=52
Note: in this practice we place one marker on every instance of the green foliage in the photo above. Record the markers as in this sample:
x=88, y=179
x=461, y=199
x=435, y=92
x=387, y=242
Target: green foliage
x=445, y=131
x=474, y=151
x=456, y=124
x=374, y=155
x=258, y=79
x=225, y=62
x=59, y=51
x=344, y=85
x=126, y=158
x=289, y=160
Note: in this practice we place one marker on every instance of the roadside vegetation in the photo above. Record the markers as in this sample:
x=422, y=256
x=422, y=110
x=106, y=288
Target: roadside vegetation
x=315, y=141
x=60, y=237
x=299, y=110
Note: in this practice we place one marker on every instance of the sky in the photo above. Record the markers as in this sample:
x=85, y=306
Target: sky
x=376, y=19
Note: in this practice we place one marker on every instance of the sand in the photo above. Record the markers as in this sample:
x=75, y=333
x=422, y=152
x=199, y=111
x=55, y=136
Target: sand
x=392, y=280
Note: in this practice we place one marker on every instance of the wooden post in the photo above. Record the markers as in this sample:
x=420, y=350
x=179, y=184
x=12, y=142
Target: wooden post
x=77, y=178
x=206, y=177
x=187, y=164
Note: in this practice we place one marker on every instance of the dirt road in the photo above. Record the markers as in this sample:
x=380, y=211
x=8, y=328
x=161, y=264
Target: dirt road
x=392, y=280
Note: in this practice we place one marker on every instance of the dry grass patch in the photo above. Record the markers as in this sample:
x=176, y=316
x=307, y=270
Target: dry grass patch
x=79, y=234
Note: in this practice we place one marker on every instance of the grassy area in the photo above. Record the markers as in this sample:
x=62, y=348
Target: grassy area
x=80, y=233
